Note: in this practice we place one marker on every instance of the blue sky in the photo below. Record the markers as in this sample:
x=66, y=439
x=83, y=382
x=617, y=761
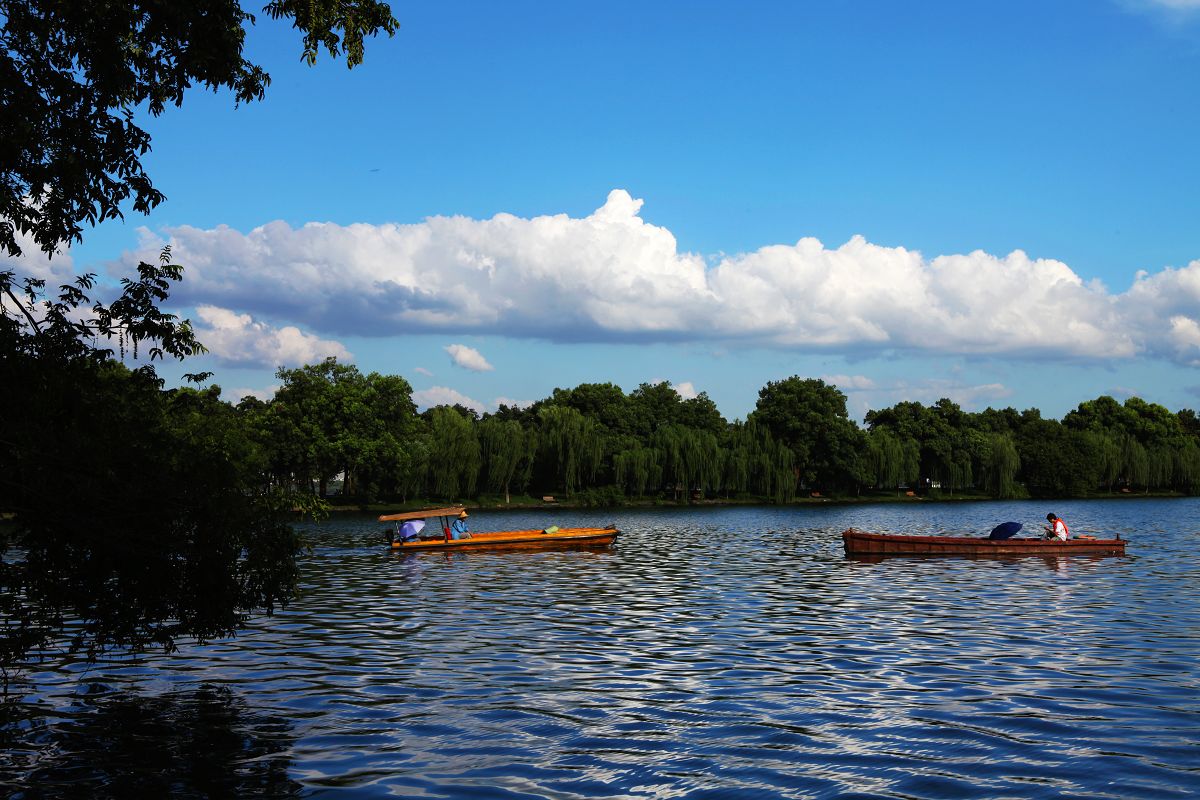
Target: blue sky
x=992, y=202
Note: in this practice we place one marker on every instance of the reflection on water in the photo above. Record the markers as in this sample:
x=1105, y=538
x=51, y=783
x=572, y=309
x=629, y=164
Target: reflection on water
x=711, y=653
x=118, y=744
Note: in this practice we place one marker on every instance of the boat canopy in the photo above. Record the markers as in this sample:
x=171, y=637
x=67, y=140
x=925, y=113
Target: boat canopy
x=450, y=511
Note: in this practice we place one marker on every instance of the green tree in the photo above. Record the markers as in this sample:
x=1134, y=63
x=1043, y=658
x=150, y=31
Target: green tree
x=603, y=402
x=891, y=460
x=1057, y=461
x=572, y=443
x=998, y=461
x=137, y=528
x=314, y=400
x=690, y=459
x=73, y=77
x=454, y=455
x=650, y=407
x=508, y=450
x=379, y=450
x=139, y=515
x=637, y=469
x=810, y=417
x=700, y=413
x=754, y=462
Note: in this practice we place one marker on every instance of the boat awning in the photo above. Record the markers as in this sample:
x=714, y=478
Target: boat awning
x=450, y=511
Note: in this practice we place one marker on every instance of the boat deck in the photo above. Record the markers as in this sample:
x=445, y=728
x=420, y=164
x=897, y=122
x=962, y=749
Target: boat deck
x=518, y=540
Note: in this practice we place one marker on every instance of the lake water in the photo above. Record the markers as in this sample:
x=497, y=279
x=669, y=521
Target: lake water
x=711, y=653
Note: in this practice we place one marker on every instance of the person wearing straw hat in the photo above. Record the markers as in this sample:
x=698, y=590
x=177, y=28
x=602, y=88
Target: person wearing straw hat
x=459, y=529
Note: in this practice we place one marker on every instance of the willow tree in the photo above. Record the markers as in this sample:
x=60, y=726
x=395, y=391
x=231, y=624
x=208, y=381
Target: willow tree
x=453, y=454
x=891, y=460
x=755, y=462
x=1108, y=457
x=573, y=443
x=636, y=469
x=507, y=450
x=1187, y=467
x=1135, y=461
x=690, y=458
x=999, y=470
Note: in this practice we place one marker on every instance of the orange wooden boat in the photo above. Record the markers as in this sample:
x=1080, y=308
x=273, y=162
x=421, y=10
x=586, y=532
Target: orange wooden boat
x=862, y=543
x=547, y=539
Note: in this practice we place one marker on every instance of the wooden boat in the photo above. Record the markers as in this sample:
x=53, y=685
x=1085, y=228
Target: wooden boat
x=862, y=543
x=547, y=539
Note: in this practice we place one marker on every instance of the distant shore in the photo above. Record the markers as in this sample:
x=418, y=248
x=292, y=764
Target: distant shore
x=338, y=504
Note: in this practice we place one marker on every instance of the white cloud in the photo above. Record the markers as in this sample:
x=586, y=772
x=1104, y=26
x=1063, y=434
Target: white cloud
x=235, y=395
x=686, y=390
x=508, y=401
x=423, y=371
x=850, y=383
x=444, y=396
x=468, y=358
x=971, y=397
x=33, y=263
x=611, y=276
x=237, y=339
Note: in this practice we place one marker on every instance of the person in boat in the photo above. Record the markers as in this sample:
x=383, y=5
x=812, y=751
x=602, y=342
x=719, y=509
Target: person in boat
x=1057, y=529
x=459, y=529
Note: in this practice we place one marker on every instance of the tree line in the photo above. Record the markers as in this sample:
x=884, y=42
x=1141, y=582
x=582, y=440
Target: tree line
x=597, y=444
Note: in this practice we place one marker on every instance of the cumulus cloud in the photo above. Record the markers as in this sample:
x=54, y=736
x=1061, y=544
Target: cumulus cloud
x=468, y=358
x=237, y=339
x=34, y=263
x=611, y=276
x=508, y=401
x=848, y=383
x=235, y=395
x=444, y=396
x=969, y=396
x=686, y=390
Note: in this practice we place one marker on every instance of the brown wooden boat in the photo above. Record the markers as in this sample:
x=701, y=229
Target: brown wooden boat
x=547, y=539
x=862, y=543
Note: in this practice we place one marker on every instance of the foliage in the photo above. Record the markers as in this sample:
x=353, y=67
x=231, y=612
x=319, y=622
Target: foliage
x=572, y=444
x=329, y=419
x=810, y=417
x=74, y=76
x=454, y=454
x=139, y=516
x=508, y=451
x=138, y=520
x=891, y=461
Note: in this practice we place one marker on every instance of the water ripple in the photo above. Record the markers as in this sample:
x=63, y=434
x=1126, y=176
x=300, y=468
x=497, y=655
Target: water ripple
x=712, y=653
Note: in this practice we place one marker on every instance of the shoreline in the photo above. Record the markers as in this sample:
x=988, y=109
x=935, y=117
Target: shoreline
x=523, y=504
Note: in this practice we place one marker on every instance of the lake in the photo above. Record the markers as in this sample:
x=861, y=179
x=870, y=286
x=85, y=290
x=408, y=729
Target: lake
x=711, y=653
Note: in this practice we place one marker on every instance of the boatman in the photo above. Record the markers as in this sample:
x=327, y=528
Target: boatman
x=459, y=529
x=1057, y=529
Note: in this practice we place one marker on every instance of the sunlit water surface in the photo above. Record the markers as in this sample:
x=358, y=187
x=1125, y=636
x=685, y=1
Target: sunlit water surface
x=711, y=653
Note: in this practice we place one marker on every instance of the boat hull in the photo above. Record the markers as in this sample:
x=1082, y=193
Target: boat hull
x=874, y=544
x=564, y=538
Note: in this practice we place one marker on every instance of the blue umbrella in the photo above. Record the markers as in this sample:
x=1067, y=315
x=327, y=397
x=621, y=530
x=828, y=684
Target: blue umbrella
x=1005, y=530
